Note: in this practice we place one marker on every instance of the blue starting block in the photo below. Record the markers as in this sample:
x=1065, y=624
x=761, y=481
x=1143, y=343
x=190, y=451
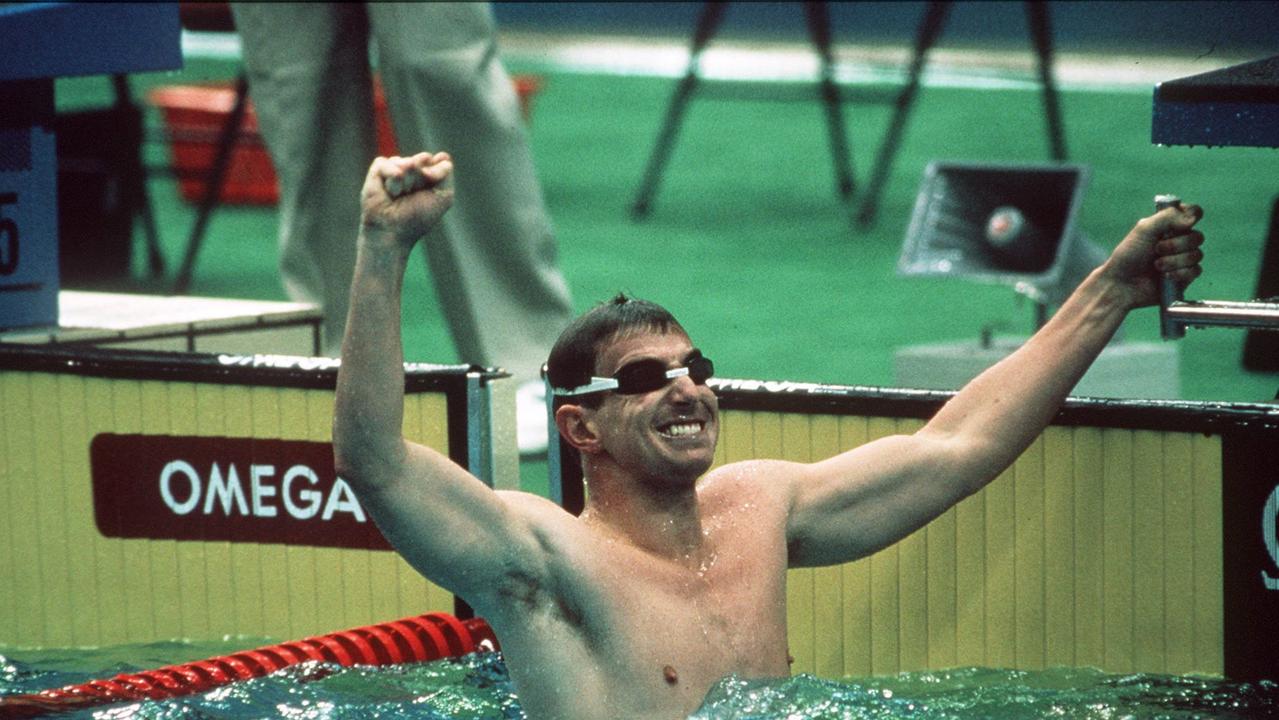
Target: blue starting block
x=40, y=42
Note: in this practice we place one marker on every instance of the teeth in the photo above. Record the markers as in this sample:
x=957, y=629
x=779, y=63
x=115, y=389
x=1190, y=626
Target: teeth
x=682, y=429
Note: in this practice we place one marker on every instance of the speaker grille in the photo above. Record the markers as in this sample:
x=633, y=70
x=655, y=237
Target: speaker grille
x=948, y=233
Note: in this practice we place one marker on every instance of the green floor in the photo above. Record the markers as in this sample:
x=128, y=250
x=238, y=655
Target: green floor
x=748, y=243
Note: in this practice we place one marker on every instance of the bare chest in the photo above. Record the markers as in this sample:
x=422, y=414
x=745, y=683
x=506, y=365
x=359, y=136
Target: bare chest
x=648, y=638
x=647, y=634
x=731, y=611
x=696, y=620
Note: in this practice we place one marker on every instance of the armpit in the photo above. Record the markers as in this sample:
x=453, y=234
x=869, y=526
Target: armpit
x=522, y=589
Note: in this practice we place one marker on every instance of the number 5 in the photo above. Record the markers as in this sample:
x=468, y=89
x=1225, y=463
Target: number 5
x=8, y=237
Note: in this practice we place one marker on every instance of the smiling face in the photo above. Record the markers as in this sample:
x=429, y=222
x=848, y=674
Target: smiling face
x=667, y=435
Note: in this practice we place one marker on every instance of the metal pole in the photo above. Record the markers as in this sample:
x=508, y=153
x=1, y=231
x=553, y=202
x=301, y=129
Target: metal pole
x=1169, y=291
x=1222, y=313
x=479, y=431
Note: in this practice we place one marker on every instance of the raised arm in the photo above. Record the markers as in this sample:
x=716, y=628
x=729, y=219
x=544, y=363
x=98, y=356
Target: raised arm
x=858, y=502
x=445, y=522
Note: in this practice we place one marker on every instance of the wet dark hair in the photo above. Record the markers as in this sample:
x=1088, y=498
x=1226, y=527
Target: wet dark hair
x=573, y=358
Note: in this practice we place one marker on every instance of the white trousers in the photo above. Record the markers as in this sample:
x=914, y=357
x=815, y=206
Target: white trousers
x=493, y=260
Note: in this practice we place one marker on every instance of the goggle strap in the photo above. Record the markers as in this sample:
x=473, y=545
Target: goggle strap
x=600, y=384
x=597, y=384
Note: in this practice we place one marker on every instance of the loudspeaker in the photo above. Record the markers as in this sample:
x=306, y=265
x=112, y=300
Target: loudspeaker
x=1007, y=224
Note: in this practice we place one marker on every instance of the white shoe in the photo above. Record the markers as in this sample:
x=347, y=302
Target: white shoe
x=531, y=418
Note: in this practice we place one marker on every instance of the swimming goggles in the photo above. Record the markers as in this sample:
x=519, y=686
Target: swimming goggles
x=645, y=376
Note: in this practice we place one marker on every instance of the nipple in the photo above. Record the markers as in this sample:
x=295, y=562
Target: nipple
x=671, y=676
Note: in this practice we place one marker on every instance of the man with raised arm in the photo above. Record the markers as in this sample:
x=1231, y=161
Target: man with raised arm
x=672, y=577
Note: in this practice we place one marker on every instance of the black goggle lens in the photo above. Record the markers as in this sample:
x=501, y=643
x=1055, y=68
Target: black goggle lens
x=700, y=369
x=645, y=376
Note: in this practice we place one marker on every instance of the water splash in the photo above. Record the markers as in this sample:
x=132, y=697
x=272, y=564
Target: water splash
x=478, y=687
x=475, y=687
x=1070, y=693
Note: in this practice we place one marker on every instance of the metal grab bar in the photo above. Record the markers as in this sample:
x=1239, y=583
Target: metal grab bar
x=1222, y=313
x=1176, y=314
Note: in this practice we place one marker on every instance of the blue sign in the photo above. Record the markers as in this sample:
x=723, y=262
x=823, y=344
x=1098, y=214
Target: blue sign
x=28, y=209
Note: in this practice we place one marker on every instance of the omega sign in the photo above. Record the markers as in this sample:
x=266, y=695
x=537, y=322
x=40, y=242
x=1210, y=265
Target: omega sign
x=225, y=489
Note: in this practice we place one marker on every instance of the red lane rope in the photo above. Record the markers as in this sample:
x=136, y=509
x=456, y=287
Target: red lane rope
x=414, y=639
x=410, y=638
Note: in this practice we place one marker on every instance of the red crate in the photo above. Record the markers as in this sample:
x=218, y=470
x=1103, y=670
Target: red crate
x=194, y=116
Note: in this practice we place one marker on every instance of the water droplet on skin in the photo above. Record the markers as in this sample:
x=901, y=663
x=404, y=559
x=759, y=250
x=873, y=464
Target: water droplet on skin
x=707, y=564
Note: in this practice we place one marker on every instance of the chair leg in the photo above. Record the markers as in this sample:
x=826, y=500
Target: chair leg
x=929, y=29
x=1261, y=347
x=707, y=24
x=818, y=17
x=227, y=139
x=135, y=182
x=1041, y=33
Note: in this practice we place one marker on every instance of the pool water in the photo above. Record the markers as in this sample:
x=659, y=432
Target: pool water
x=1074, y=693
x=477, y=687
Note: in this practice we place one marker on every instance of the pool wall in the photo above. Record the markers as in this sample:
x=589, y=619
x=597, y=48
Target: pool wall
x=95, y=549
x=1129, y=537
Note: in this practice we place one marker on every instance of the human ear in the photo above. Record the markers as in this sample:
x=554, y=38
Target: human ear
x=576, y=427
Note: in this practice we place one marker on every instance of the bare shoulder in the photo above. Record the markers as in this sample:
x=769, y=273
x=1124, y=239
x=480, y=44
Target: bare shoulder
x=538, y=513
x=520, y=500
x=748, y=472
x=758, y=480
x=555, y=536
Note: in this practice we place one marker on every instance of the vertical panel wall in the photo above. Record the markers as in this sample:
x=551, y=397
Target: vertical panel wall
x=1104, y=545
x=1078, y=555
x=63, y=583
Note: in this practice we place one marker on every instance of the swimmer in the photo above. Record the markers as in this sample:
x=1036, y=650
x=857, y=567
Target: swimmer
x=674, y=577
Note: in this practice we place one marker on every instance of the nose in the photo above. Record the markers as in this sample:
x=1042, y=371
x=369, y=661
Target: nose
x=683, y=389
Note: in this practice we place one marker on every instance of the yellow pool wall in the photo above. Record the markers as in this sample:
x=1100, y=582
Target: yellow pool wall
x=1099, y=547
x=62, y=584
